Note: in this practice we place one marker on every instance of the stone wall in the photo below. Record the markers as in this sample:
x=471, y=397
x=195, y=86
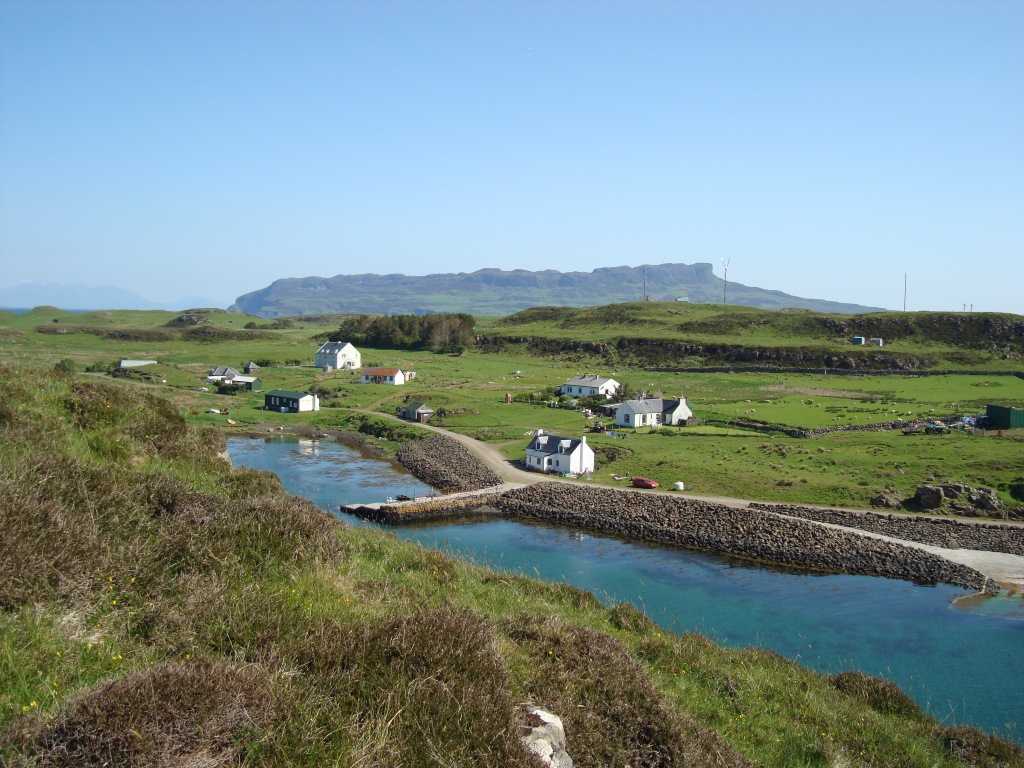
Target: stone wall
x=937, y=532
x=751, y=533
x=445, y=464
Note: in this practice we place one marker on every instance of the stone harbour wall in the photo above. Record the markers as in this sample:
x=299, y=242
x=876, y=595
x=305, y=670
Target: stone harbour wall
x=753, y=533
x=937, y=532
x=445, y=464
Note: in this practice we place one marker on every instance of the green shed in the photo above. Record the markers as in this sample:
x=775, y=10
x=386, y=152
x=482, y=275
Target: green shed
x=1005, y=417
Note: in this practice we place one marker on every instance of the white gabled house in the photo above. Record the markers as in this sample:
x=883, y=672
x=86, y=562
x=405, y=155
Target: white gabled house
x=551, y=453
x=653, y=412
x=589, y=386
x=393, y=376
x=338, y=355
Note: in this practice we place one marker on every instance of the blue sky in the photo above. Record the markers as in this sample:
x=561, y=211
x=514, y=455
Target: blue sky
x=824, y=149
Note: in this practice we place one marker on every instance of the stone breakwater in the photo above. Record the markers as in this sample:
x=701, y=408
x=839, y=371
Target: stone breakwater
x=752, y=533
x=445, y=464
x=937, y=532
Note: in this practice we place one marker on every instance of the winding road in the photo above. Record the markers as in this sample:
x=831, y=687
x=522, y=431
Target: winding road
x=1004, y=569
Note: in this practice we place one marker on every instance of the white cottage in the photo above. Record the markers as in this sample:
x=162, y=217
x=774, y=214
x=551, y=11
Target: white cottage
x=653, y=412
x=551, y=453
x=589, y=386
x=393, y=376
x=338, y=355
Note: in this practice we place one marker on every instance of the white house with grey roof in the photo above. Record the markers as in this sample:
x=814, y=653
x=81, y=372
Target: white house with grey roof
x=653, y=412
x=586, y=385
x=338, y=355
x=561, y=455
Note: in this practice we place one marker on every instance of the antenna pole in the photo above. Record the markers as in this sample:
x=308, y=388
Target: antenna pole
x=725, y=285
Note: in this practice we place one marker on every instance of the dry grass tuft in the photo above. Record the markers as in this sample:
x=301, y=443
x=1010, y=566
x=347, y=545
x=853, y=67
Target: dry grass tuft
x=976, y=748
x=426, y=689
x=881, y=695
x=200, y=713
x=615, y=717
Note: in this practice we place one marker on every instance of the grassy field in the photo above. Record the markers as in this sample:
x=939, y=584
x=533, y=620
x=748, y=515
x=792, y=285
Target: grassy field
x=160, y=607
x=469, y=393
x=947, y=339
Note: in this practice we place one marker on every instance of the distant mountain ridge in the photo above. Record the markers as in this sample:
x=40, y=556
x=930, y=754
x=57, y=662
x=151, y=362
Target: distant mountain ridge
x=502, y=292
x=76, y=297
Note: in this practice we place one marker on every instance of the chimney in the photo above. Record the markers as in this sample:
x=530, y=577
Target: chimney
x=540, y=432
x=583, y=439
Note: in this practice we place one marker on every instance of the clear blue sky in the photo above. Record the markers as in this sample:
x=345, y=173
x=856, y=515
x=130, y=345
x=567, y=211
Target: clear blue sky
x=824, y=149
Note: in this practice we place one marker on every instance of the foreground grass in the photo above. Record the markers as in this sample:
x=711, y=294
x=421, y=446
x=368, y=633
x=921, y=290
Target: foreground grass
x=159, y=607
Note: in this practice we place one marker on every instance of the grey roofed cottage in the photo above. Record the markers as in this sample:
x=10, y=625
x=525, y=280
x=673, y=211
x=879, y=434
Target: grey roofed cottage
x=653, y=412
x=250, y=368
x=221, y=372
x=420, y=412
x=338, y=355
x=551, y=453
x=587, y=385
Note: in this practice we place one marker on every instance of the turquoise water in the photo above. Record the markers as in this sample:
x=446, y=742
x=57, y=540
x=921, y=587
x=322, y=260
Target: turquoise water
x=962, y=664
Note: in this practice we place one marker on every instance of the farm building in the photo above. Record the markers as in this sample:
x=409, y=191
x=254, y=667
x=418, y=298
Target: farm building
x=338, y=355
x=250, y=368
x=420, y=412
x=876, y=341
x=1005, y=417
x=286, y=401
x=134, y=363
x=221, y=373
x=653, y=412
x=589, y=386
x=252, y=383
x=858, y=341
x=562, y=455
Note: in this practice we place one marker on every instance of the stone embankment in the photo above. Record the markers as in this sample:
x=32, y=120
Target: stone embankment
x=797, y=432
x=443, y=463
x=937, y=532
x=472, y=504
x=757, y=534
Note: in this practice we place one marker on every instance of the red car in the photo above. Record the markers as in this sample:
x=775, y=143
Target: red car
x=645, y=482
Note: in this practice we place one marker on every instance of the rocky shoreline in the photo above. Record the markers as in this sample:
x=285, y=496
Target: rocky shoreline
x=752, y=533
x=445, y=464
x=937, y=532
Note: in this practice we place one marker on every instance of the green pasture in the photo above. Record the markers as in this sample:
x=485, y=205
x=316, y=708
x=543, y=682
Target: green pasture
x=469, y=391
x=919, y=334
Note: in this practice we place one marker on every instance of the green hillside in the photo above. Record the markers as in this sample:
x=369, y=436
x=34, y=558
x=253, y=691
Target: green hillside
x=160, y=608
x=662, y=333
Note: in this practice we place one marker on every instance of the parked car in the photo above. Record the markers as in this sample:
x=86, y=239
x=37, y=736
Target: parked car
x=645, y=482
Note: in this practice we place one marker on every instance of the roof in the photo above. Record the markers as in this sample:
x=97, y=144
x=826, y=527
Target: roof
x=290, y=394
x=223, y=370
x=417, y=407
x=545, y=443
x=134, y=363
x=245, y=379
x=652, y=405
x=332, y=347
x=381, y=371
x=588, y=381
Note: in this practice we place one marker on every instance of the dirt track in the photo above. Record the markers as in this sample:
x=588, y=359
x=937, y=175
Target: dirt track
x=1005, y=570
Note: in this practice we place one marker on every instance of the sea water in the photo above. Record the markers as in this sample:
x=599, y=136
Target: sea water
x=962, y=661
